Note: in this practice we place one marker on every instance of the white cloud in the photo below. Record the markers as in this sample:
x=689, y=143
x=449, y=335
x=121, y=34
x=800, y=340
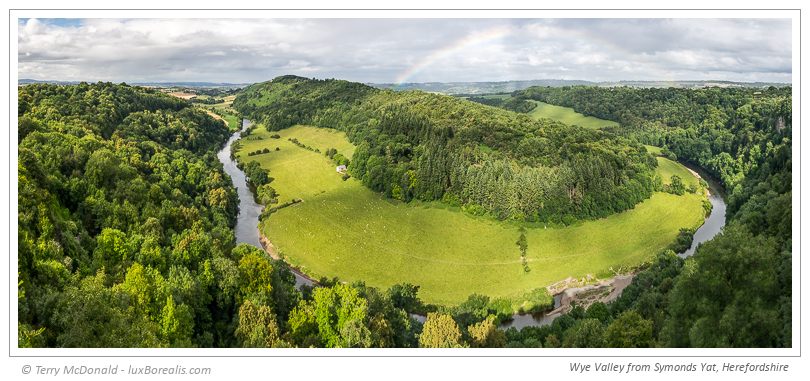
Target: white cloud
x=381, y=50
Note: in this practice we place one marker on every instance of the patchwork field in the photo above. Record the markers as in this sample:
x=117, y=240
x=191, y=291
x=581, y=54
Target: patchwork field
x=343, y=229
x=568, y=116
x=224, y=111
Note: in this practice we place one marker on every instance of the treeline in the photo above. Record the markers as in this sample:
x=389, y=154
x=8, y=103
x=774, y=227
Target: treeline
x=125, y=219
x=125, y=238
x=414, y=145
x=206, y=101
x=736, y=290
x=727, y=131
x=228, y=111
x=209, y=91
x=304, y=146
x=508, y=103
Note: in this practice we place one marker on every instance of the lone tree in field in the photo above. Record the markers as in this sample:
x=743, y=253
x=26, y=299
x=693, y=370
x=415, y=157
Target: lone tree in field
x=523, y=245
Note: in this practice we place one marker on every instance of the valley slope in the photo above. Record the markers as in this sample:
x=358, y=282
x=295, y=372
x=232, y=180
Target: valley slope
x=451, y=249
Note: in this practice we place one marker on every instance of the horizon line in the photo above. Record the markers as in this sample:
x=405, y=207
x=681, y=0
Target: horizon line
x=396, y=84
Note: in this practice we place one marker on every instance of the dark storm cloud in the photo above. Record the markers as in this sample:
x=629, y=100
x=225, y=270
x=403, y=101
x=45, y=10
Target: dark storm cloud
x=388, y=50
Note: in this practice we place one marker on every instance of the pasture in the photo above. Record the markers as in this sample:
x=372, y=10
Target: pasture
x=568, y=116
x=653, y=150
x=667, y=168
x=344, y=229
x=224, y=111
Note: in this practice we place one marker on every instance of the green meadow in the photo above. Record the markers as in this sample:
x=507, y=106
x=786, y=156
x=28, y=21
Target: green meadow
x=496, y=96
x=568, y=116
x=343, y=229
x=224, y=111
x=655, y=151
x=231, y=120
x=667, y=168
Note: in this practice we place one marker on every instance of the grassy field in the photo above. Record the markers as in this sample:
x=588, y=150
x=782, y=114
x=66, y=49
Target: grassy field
x=667, y=168
x=568, y=116
x=227, y=101
x=233, y=122
x=495, y=96
x=223, y=111
x=230, y=120
x=656, y=151
x=343, y=229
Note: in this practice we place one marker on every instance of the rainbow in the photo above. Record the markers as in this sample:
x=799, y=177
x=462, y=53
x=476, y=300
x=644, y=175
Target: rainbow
x=459, y=45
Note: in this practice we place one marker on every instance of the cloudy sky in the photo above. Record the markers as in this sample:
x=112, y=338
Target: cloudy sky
x=404, y=50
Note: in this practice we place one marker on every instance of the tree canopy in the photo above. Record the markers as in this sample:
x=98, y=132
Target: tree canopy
x=415, y=145
x=736, y=289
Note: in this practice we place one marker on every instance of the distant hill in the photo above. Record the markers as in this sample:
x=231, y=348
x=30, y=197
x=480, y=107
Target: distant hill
x=456, y=88
x=473, y=88
x=26, y=81
x=466, y=88
x=192, y=84
x=691, y=84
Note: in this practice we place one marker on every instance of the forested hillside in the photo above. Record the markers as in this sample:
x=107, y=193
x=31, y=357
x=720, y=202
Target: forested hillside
x=508, y=103
x=125, y=237
x=727, y=131
x=125, y=216
x=415, y=145
x=736, y=290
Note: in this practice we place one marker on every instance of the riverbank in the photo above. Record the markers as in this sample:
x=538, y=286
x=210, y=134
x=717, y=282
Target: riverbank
x=301, y=279
x=574, y=292
x=587, y=291
x=714, y=223
x=247, y=221
x=583, y=291
x=590, y=291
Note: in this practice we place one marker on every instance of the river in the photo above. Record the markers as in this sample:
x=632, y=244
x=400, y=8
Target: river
x=716, y=220
x=712, y=225
x=247, y=231
x=247, y=223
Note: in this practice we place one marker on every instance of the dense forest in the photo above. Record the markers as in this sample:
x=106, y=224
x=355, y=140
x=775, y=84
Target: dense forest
x=126, y=240
x=736, y=290
x=509, y=103
x=727, y=131
x=125, y=219
x=415, y=145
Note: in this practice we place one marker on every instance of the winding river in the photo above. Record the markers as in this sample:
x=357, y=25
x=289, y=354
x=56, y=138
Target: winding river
x=247, y=223
x=716, y=220
x=712, y=225
x=247, y=231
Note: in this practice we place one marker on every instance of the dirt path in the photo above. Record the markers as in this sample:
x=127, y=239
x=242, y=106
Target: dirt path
x=215, y=116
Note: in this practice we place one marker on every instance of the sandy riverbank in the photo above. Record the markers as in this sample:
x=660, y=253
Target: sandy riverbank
x=300, y=277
